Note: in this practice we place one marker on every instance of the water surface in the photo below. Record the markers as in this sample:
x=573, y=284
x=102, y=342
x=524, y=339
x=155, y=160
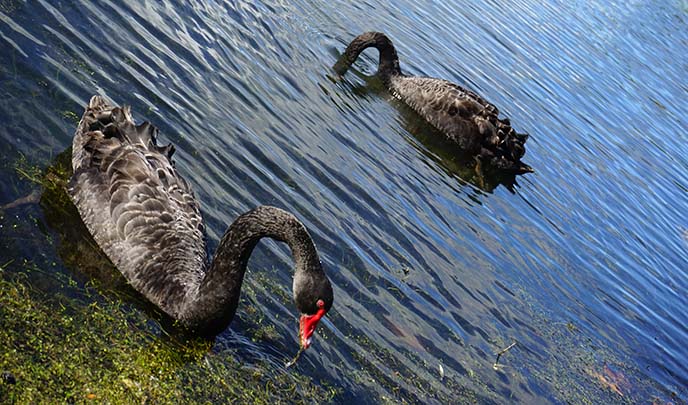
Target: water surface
x=583, y=263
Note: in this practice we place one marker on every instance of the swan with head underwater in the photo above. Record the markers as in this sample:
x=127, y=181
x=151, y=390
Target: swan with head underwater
x=466, y=119
x=144, y=216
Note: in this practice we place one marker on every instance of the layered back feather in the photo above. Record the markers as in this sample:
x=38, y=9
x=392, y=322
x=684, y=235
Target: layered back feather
x=139, y=210
x=465, y=118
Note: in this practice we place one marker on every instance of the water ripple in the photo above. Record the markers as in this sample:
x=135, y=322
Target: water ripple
x=583, y=263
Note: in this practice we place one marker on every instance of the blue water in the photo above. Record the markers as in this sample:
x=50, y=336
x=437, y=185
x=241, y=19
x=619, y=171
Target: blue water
x=584, y=263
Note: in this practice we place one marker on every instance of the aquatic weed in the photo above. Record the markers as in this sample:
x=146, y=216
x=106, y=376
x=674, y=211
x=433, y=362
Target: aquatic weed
x=58, y=349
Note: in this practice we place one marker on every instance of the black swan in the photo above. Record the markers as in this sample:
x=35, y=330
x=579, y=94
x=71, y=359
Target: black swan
x=144, y=216
x=466, y=119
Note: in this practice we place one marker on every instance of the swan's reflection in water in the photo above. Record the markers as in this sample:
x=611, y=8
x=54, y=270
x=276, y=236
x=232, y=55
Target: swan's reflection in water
x=456, y=163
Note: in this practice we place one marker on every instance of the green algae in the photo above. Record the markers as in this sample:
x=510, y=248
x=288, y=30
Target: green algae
x=59, y=349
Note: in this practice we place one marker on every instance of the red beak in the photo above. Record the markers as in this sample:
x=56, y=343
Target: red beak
x=307, y=325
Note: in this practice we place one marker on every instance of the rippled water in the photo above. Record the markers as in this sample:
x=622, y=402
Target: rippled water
x=583, y=263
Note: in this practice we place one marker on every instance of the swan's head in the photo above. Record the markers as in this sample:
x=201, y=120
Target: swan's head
x=313, y=296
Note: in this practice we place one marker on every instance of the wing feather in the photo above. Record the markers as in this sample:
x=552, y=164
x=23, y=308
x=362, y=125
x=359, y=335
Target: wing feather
x=138, y=208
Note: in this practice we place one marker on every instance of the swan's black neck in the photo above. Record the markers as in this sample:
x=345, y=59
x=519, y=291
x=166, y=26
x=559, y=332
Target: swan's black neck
x=217, y=298
x=389, y=61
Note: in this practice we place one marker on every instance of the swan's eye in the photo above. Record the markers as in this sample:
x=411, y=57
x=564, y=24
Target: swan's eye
x=321, y=304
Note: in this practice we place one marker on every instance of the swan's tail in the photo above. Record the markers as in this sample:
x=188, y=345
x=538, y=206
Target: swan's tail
x=508, y=149
x=102, y=121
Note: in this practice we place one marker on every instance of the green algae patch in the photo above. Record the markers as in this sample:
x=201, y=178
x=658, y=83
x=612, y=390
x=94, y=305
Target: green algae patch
x=57, y=349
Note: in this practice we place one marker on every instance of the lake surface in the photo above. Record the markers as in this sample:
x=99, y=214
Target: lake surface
x=584, y=263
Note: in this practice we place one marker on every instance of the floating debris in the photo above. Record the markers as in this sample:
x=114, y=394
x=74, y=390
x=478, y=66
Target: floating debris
x=496, y=365
x=441, y=372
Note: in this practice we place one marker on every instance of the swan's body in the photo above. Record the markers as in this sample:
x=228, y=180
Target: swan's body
x=466, y=119
x=145, y=217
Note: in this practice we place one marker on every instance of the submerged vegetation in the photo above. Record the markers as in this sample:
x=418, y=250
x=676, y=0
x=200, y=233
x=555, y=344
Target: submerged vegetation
x=56, y=348
x=72, y=330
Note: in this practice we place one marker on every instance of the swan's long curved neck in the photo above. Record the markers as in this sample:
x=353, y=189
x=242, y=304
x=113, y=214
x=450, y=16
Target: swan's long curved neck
x=212, y=306
x=389, y=61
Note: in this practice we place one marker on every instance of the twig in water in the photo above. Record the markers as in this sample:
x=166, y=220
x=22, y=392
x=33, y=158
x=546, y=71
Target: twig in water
x=291, y=363
x=4, y=266
x=499, y=354
x=32, y=198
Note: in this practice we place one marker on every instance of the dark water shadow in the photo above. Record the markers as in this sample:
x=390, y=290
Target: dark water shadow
x=456, y=163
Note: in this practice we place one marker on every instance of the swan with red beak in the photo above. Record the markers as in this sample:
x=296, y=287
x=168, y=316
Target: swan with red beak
x=313, y=297
x=307, y=324
x=144, y=216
